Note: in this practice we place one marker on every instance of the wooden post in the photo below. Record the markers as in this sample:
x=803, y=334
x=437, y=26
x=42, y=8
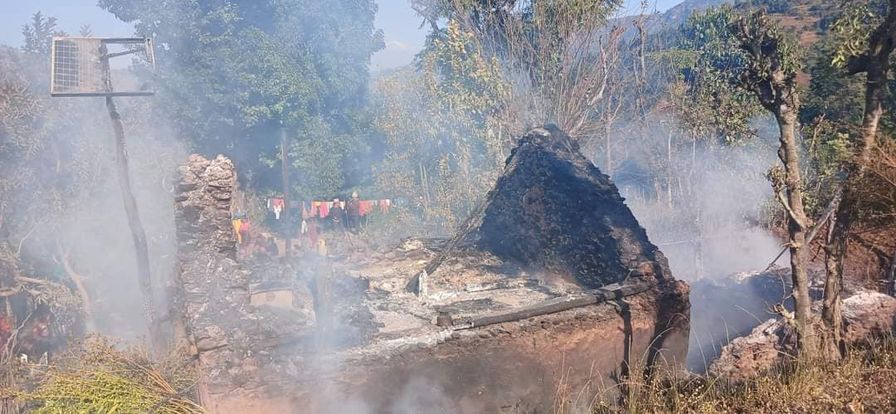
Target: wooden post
x=144, y=276
x=284, y=161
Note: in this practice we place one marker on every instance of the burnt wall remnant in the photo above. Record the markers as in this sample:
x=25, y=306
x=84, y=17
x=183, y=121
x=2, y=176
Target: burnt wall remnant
x=214, y=295
x=213, y=288
x=554, y=210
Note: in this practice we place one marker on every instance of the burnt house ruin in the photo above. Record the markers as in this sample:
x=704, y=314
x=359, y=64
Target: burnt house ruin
x=551, y=291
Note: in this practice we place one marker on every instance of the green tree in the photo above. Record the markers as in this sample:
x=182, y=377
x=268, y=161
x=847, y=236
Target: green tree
x=869, y=52
x=233, y=73
x=770, y=73
x=711, y=60
x=554, y=55
x=38, y=34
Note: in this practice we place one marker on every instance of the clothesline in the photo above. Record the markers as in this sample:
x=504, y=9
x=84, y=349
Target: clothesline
x=322, y=208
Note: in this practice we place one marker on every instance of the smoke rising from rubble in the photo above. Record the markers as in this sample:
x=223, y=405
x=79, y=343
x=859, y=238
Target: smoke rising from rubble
x=81, y=215
x=712, y=229
x=719, y=201
x=96, y=229
x=720, y=198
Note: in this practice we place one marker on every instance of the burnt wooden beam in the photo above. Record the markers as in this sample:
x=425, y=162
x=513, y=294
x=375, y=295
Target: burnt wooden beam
x=593, y=297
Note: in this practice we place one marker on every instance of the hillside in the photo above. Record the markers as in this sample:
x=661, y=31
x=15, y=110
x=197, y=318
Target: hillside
x=680, y=13
x=806, y=17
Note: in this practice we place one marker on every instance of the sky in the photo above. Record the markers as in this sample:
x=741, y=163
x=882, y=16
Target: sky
x=401, y=26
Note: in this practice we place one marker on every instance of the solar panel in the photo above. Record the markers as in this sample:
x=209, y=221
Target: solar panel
x=80, y=66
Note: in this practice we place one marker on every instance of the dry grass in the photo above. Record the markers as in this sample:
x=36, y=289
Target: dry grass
x=865, y=382
x=97, y=377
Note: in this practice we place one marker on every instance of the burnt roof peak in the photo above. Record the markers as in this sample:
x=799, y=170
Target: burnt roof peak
x=550, y=137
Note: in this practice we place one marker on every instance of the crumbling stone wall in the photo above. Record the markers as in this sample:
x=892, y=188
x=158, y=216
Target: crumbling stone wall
x=230, y=335
x=213, y=288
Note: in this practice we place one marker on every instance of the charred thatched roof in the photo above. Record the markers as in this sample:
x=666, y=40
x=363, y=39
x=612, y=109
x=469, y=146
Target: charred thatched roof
x=553, y=210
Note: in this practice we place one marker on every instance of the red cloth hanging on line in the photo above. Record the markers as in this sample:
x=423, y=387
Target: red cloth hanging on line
x=323, y=209
x=365, y=207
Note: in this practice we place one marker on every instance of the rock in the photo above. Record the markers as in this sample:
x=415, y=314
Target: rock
x=865, y=315
x=868, y=314
x=752, y=355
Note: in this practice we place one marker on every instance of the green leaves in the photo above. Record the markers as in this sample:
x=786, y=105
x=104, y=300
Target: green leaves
x=233, y=72
x=853, y=27
x=711, y=63
x=39, y=33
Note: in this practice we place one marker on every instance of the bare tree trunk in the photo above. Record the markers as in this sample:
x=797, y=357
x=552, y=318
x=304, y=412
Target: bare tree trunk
x=78, y=280
x=144, y=277
x=669, y=169
x=891, y=288
x=875, y=63
x=608, y=156
x=642, y=68
x=796, y=227
x=835, y=248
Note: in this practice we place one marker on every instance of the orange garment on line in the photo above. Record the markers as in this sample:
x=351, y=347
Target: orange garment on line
x=237, y=226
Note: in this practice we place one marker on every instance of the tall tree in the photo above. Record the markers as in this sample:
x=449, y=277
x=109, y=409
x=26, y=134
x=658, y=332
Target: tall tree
x=556, y=54
x=868, y=53
x=770, y=72
x=38, y=34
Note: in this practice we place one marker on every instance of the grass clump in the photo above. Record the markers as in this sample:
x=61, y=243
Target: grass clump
x=863, y=382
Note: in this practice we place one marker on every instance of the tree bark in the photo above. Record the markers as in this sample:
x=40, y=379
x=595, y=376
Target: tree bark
x=891, y=286
x=875, y=64
x=796, y=227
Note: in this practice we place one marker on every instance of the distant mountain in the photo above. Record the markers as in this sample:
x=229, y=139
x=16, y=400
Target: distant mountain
x=808, y=19
x=680, y=13
x=672, y=18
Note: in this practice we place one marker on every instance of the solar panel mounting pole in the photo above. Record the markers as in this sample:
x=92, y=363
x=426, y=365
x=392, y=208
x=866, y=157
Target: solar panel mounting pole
x=284, y=161
x=144, y=276
x=79, y=67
